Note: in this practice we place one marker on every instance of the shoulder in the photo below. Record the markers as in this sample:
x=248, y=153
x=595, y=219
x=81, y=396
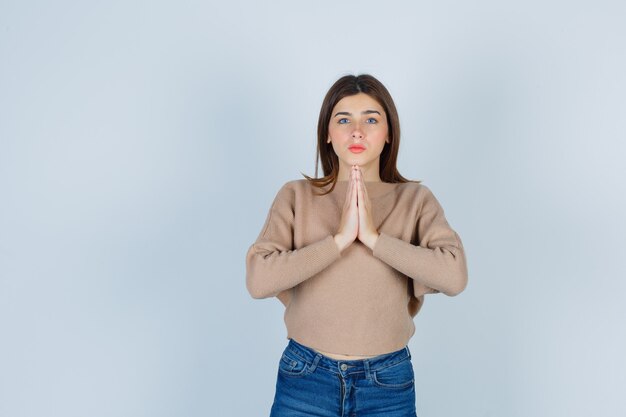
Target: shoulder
x=294, y=186
x=289, y=191
x=415, y=189
x=420, y=194
x=297, y=187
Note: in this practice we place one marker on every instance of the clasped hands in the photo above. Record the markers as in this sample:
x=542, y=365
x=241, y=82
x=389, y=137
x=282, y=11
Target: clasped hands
x=356, y=217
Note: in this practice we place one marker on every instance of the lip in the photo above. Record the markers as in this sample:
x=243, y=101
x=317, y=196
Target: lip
x=356, y=149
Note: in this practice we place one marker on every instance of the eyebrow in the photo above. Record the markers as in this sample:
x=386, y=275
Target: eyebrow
x=363, y=112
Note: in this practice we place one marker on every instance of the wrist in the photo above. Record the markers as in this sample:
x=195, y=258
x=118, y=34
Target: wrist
x=373, y=241
x=339, y=242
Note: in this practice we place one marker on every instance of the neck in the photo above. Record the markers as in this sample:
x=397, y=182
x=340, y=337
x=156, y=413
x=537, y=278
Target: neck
x=369, y=174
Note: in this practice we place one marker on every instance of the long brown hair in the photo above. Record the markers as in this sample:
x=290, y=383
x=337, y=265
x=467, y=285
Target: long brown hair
x=349, y=85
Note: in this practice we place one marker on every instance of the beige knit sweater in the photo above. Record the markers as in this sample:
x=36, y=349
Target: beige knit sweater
x=358, y=301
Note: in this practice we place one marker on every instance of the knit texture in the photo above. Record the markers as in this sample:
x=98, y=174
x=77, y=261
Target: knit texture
x=359, y=301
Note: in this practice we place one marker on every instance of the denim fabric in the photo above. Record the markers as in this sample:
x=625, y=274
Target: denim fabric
x=312, y=384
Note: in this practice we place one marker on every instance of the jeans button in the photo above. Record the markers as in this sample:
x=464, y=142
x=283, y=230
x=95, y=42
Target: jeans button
x=344, y=366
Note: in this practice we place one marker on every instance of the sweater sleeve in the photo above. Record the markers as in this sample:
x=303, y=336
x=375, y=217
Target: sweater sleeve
x=272, y=263
x=437, y=263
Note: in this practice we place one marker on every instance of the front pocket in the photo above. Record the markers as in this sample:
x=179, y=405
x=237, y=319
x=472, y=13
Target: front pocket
x=399, y=375
x=292, y=365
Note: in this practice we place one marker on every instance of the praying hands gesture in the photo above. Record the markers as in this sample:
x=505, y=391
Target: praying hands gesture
x=356, y=218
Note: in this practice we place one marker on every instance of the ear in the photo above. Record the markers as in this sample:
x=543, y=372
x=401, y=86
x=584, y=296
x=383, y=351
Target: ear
x=328, y=141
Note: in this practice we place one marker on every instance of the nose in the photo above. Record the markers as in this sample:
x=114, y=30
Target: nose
x=357, y=134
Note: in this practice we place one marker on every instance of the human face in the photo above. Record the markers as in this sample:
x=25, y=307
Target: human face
x=358, y=121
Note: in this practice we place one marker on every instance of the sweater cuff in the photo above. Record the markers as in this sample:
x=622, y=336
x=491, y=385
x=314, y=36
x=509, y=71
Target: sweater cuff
x=384, y=248
x=327, y=249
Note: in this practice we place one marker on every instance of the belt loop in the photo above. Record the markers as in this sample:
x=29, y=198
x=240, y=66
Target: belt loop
x=315, y=361
x=366, y=364
x=408, y=352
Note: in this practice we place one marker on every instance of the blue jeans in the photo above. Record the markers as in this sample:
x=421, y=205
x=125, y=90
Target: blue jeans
x=312, y=384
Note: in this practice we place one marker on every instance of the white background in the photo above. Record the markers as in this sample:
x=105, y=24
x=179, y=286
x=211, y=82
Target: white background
x=141, y=145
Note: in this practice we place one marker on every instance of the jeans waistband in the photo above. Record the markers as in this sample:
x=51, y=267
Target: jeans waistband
x=348, y=366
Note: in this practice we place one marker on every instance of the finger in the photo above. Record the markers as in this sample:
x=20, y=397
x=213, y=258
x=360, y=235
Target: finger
x=362, y=185
x=357, y=184
x=360, y=194
x=363, y=198
x=350, y=201
x=365, y=195
x=354, y=187
x=364, y=191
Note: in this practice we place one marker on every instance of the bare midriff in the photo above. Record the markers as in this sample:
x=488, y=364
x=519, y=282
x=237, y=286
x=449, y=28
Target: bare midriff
x=340, y=356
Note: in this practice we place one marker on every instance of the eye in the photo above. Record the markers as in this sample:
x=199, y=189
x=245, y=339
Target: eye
x=373, y=120
x=340, y=121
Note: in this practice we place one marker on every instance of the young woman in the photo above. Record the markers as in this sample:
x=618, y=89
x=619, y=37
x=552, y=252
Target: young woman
x=351, y=256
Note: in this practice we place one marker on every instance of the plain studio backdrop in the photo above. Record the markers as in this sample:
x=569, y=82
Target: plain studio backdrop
x=142, y=143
